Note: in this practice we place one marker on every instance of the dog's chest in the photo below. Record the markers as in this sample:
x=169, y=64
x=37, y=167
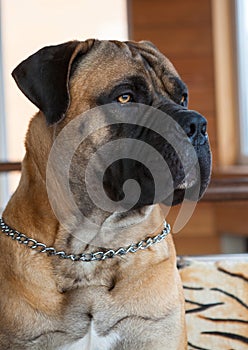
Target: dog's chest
x=92, y=341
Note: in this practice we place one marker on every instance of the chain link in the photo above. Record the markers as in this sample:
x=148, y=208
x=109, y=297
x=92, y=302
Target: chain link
x=87, y=257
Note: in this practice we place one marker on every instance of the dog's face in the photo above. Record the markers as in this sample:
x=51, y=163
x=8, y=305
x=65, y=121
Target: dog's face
x=69, y=79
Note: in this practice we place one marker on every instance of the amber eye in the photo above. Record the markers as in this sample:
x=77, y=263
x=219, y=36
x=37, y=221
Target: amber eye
x=184, y=100
x=125, y=98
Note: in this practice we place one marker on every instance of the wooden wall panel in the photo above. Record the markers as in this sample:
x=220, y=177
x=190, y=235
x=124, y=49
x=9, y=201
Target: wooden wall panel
x=156, y=12
x=232, y=218
x=199, y=236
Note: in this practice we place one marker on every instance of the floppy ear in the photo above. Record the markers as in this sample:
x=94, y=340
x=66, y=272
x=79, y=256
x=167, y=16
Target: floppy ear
x=44, y=77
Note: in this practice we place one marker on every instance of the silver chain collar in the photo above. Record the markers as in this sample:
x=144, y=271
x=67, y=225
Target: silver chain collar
x=96, y=256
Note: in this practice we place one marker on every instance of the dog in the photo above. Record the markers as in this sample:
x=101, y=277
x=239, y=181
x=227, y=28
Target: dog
x=56, y=293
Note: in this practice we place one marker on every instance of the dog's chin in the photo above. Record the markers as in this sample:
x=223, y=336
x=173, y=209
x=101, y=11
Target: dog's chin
x=190, y=190
x=183, y=192
x=178, y=197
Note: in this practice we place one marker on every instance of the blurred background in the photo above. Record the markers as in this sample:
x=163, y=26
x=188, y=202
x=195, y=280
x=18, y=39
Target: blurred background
x=207, y=41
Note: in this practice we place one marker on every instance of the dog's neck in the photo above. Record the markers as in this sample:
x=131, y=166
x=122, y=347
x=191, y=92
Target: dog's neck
x=22, y=213
x=125, y=230
x=44, y=226
x=41, y=224
x=115, y=231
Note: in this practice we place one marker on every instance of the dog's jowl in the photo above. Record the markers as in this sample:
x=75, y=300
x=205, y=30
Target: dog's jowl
x=87, y=260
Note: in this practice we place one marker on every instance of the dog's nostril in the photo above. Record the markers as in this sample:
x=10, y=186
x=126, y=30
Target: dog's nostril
x=196, y=129
x=192, y=130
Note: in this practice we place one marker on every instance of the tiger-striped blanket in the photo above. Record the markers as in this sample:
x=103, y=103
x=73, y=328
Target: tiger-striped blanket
x=216, y=294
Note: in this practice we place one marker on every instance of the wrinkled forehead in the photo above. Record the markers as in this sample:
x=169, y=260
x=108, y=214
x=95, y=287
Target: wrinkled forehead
x=159, y=66
x=114, y=60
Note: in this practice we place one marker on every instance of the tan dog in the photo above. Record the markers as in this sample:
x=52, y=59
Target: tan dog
x=131, y=301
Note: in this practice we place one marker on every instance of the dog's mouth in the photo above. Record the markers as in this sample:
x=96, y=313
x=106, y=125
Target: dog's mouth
x=189, y=181
x=187, y=184
x=174, y=186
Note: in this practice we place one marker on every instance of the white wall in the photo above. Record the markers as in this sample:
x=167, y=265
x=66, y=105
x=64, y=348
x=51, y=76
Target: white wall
x=28, y=25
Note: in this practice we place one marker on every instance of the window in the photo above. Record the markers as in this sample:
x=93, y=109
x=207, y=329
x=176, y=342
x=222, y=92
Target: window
x=28, y=25
x=3, y=177
x=242, y=48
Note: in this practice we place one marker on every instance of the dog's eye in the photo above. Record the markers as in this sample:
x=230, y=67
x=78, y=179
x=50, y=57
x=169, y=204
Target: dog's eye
x=125, y=98
x=184, y=100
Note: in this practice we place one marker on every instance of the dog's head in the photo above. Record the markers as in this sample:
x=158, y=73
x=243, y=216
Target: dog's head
x=65, y=80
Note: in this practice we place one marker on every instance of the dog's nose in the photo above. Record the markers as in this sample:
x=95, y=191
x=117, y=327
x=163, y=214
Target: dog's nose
x=192, y=122
x=195, y=126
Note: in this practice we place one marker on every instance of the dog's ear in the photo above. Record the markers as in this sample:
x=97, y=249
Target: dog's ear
x=44, y=77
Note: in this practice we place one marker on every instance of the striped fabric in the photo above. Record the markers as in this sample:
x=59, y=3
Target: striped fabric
x=216, y=295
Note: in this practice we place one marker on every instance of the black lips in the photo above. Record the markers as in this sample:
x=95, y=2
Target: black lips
x=194, y=133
